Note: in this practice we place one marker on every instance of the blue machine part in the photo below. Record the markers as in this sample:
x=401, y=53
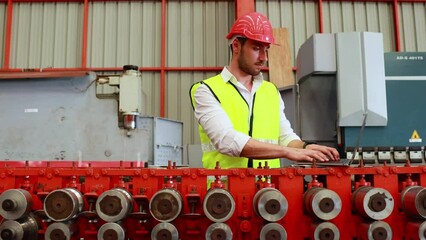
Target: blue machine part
x=405, y=92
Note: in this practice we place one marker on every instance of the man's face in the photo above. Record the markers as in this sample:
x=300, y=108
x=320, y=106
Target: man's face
x=253, y=56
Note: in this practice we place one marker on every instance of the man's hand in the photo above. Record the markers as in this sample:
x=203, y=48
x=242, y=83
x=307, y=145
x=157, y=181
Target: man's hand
x=294, y=151
x=317, y=152
x=329, y=153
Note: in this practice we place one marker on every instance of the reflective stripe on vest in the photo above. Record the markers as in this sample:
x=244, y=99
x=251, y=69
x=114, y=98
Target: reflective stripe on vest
x=263, y=125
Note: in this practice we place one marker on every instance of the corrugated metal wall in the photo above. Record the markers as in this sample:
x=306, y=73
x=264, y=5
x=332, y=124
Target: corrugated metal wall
x=46, y=35
x=361, y=16
x=196, y=33
x=412, y=19
x=50, y=35
x=123, y=33
x=3, y=11
x=301, y=19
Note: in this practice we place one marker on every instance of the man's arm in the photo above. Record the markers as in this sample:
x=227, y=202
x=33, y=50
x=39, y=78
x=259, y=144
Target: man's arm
x=328, y=152
x=260, y=150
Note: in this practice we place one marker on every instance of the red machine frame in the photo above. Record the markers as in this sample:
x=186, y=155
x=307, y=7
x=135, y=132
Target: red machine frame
x=93, y=178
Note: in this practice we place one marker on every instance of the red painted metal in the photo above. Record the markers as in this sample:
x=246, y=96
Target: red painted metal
x=85, y=27
x=78, y=1
x=163, y=59
x=18, y=75
x=320, y=17
x=81, y=1
x=396, y=25
x=196, y=69
x=374, y=1
x=94, y=178
x=8, y=35
x=243, y=6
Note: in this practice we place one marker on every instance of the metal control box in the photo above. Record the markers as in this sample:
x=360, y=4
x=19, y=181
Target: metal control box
x=164, y=136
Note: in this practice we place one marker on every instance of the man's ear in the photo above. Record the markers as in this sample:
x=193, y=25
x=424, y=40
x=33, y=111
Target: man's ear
x=235, y=46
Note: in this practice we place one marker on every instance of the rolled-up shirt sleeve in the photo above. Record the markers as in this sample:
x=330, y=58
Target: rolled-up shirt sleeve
x=216, y=123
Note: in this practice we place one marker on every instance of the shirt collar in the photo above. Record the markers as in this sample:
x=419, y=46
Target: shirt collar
x=227, y=76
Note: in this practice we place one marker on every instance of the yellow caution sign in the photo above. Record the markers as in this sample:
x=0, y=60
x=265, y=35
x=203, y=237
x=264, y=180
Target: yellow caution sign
x=415, y=137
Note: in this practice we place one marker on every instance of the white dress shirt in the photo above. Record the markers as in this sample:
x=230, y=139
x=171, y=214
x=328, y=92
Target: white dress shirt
x=217, y=124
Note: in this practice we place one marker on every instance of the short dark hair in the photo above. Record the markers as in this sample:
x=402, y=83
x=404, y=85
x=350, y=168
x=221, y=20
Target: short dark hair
x=242, y=41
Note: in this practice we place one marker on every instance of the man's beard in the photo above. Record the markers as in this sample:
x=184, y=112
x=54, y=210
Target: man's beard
x=245, y=67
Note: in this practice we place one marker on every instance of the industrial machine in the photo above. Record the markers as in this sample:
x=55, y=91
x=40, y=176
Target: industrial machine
x=88, y=118
x=117, y=200
x=129, y=183
x=368, y=103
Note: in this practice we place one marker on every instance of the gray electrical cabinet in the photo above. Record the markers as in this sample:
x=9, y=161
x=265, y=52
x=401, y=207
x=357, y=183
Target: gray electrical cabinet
x=345, y=77
x=340, y=79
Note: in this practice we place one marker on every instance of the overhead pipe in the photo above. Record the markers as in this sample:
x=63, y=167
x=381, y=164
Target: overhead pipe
x=53, y=74
x=18, y=73
x=113, y=69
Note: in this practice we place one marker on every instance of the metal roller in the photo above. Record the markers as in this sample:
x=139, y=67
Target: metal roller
x=63, y=204
x=326, y=231
x=273, y=231
x=322, y=203
x=15, y=203
x=218, y=231
x=413, y=200
x=379, y=230
x=114, y=205
x=60, y=231
x=422, y=231
x=111, y=231
x=166, y=205
x=164, y=231
x=375, y=203
x=270, y=204
x=22, y=229
x=218, y=205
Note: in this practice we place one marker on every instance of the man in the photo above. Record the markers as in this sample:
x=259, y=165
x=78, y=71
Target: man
x=241, y=116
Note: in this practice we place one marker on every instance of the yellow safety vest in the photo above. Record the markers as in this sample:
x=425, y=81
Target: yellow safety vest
x=263, y=125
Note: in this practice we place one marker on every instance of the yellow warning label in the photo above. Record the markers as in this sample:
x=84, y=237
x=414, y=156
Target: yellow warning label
x=415, y=137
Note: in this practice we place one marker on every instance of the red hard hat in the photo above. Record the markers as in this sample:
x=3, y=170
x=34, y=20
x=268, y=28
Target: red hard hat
x=255, y=26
